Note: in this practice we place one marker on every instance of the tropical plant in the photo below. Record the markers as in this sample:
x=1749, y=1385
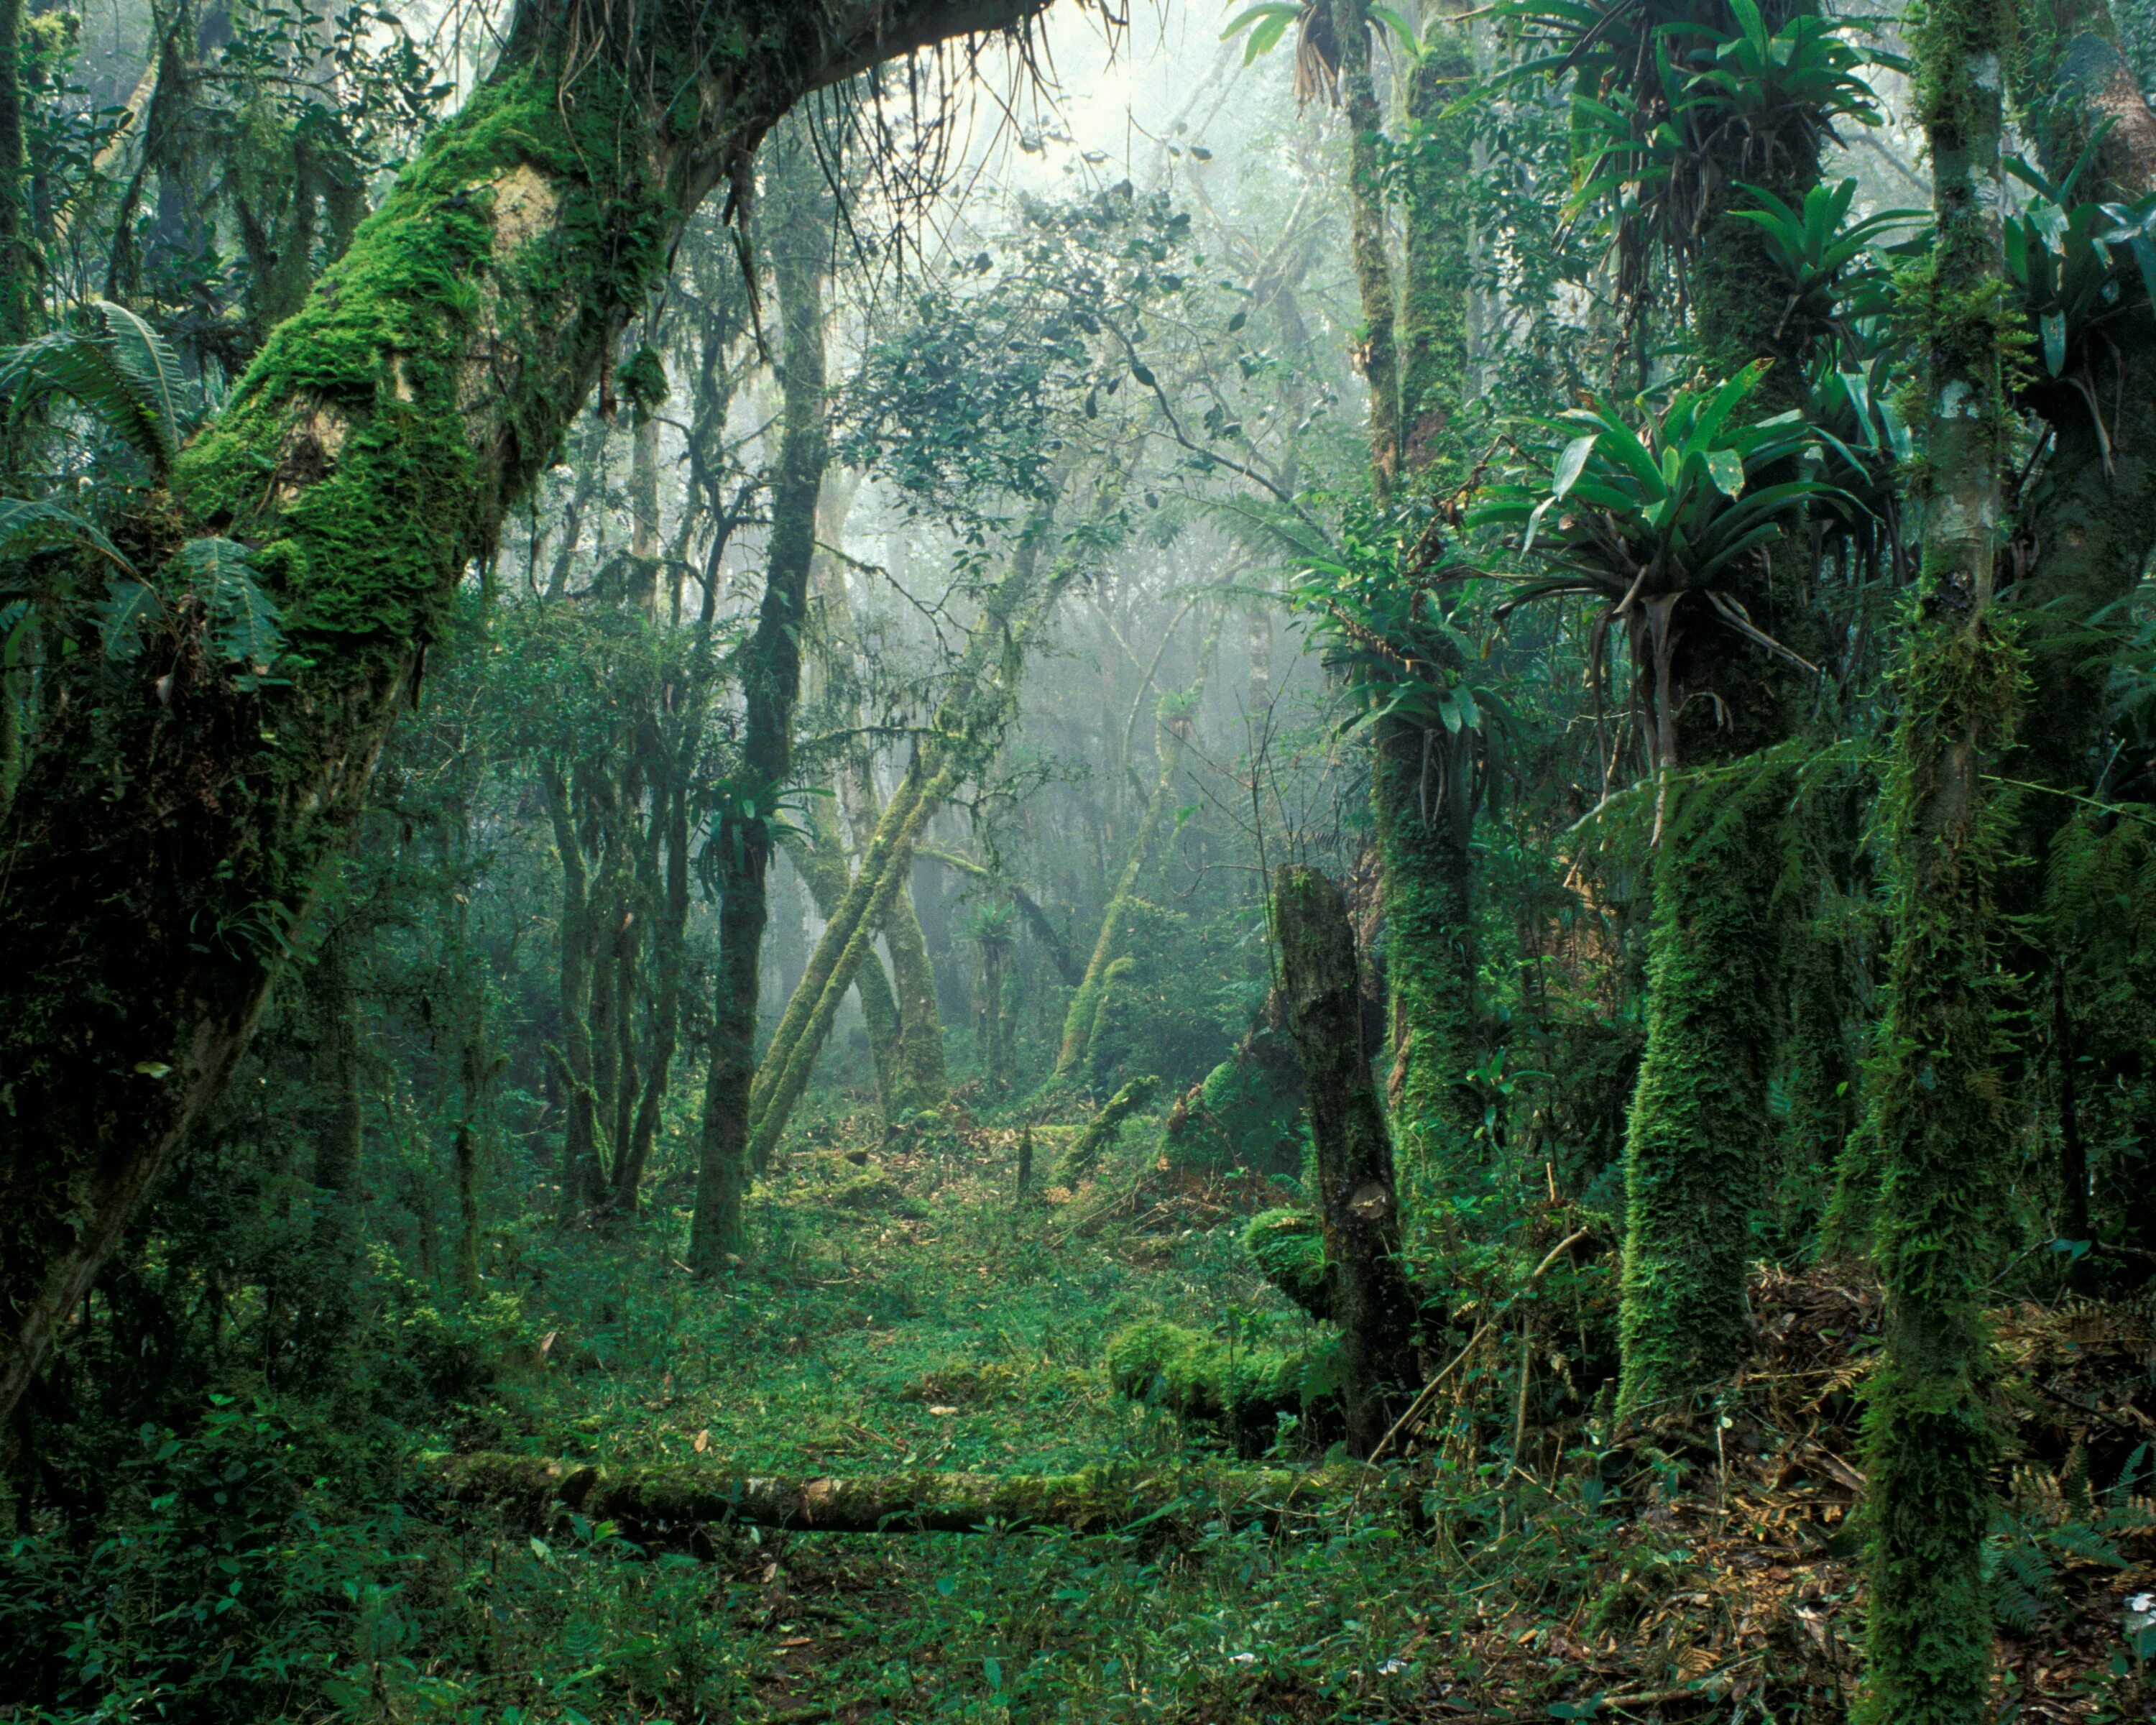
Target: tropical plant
x=1837, y=285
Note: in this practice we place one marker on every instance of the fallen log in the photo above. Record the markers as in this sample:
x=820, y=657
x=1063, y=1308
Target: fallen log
x=666, y=1506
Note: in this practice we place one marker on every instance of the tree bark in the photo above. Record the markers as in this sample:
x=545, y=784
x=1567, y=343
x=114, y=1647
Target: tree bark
x=367, y=457
x=823, y=865
x=802, y=211
x=1373, y=1303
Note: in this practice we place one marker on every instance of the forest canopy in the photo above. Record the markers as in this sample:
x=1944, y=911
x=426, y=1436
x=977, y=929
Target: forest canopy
x=969, y=859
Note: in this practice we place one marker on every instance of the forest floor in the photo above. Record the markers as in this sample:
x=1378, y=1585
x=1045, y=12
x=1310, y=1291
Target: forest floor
x=905, y=1311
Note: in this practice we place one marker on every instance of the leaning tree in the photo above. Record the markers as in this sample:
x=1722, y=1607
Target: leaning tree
x=178, y=805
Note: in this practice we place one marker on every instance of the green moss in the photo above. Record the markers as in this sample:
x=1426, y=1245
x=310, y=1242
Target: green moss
x=1243, y=1393
x=1693, y=1153
x=344, y=457
x=1086, y=1152
x=1945, y=1118
x=1430, y=974
x=1288, y=1247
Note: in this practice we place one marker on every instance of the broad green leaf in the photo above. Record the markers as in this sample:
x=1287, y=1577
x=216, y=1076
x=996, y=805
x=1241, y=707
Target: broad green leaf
x=1725, y=468
x=1571, y=463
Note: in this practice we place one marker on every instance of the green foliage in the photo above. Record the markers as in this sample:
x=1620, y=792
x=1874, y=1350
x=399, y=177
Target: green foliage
x=1288, y=1247
x=125, y=373
x=1662, y=508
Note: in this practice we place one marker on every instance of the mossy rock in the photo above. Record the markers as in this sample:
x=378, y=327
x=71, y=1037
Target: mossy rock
x=871, y=1194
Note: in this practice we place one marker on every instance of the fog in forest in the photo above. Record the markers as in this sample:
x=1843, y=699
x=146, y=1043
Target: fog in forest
x=911, y=860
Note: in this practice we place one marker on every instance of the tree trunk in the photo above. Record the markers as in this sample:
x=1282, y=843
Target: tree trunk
x=771, y=679
x=1078, y=1019
x=823, y=864
x=913, y=982
x=19, y=292
x=1378, y=353
x=1373, y=1303
x=1694, y=1166
x=367, y=457
x=966, y=732
x=668, y=941
x=1945, y=1129
x=582, y=1184
x=664, y=1507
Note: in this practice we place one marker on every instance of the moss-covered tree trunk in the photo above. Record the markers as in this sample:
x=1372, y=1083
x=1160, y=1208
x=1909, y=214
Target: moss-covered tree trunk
x=913, y=984
x=1371, y=1301
x=1694, y=1157
x=823, y=864
x=19, y=291
x=667, y=1506
x=1944, y=1128
x=801, y=211
x=368, y=458
x=1377, y=353
x=965, y=734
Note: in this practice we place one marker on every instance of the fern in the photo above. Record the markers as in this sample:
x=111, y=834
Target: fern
x=129, y=607
x=245, y=625
x=24, y=525
x=126, y=374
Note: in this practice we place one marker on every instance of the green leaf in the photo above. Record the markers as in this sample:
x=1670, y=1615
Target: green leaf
x=129, y=607
x=1572, y=463
x=24, y=522
x=1725, y=468
x=2053, y=324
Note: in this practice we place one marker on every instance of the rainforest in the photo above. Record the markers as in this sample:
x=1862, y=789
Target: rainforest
x=1077, y=861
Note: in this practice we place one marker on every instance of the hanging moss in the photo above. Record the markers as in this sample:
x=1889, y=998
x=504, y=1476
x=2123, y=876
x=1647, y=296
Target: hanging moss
x=1242, y=1393
x=1288, y=1247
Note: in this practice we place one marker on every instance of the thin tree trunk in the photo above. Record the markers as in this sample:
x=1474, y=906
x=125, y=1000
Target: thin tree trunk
x=1373, y=1303
x=1084, y=1005
x=823, y=865
x=368, y=456
x=913, y=983
x=770, y=679
x=966, y=733
x=571, y=1056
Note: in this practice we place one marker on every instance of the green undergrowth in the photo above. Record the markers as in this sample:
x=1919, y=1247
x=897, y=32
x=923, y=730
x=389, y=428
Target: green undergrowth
x=279, y=1556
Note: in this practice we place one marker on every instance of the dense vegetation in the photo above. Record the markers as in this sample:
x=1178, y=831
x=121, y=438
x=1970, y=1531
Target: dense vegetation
x=933, y=859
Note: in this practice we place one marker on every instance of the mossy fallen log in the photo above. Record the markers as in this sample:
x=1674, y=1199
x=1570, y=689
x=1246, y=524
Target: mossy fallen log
x=666, y=1506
